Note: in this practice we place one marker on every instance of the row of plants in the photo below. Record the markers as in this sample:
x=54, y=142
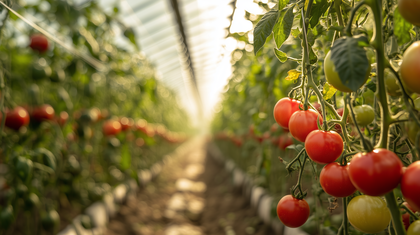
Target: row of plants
x=342, y=82
x=74, y=122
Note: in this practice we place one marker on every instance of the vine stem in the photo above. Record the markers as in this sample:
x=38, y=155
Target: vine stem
x=352, y=14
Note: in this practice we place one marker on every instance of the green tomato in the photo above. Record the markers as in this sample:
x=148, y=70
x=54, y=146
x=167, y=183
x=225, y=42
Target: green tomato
x=392, y=86
x=414, y=228
x=369, y=96
x=364, y=114
x=24, y=167
x=32, y=201
x=50, y=220
x=368, y=214
x=332, y=76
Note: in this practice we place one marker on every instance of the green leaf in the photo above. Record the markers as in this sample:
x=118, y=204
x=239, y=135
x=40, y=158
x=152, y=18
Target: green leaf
x=319, y=7
x=328, y=91
x=282, y=4
x=350, y=61
x=312, y=56
x=371, y=85
x=295, y=32
x=283, y=26
x=401, y=27
x=129, y=33
x=264, y=28
x=292, y=75
x=280, y=55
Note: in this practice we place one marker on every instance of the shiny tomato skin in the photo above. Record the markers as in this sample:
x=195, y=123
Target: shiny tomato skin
x=414, y=228
x=43, y=113
x=17, y=118
x=368, y=214
x=304, y=122
x=324, y=147
x=284, y=109
x=410, y=10
x=410, y=67
x=111, y=127
x=335, y=180
x=410, y=185
x=39, y=43
x=364, y=114
x=292, y=212
x=375, y=173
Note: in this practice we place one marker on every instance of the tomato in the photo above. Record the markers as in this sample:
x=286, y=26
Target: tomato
x=376, y=173
x=369, y=96
x=139, y=142
x=410, y=10
x=335, y=180
x=62, y=119
x=303, y=122
x=324, y=147
x=50, y=220
x=317, y=107
x=292, y=212
x=126, y=123
x=392, y=86
x=332, y=76
x=410, y=185
x=409, y=67
x=284, y=141
x=42, y=113
x=414, y=228
x=24, y=168
x=111, y=127
x=32, y=201
x=368, y=214
x=284, y=109
x=274, y=127
x=17, y=118
x=364, y=114
x=39, y=43
x=406, y=216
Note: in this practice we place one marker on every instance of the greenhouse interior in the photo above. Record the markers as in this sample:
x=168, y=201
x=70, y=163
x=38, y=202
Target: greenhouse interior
x=209, y=117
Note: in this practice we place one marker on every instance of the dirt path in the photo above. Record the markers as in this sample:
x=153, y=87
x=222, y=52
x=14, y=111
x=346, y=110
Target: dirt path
x=192, y=196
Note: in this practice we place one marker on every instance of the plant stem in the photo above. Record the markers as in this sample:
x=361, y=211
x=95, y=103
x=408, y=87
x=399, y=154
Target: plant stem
x=352, y=14
x=395, y=213
x=345, y=221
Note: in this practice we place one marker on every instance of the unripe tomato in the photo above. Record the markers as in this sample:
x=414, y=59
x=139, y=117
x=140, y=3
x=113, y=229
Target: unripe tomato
x=39, y=43
x=392, y=86
x=43, y=113
x=304, y=122
x=364, y=114
x=324, y=147
x=332, y=76
x=414, y=228
x=410, y=10
x=17, y=118
x=368, y=214
x=376, y=173
x=410, y=185
x=292, y=212
x=284, y=109
x=410, y=68
x=335, y=180
x=111, y=127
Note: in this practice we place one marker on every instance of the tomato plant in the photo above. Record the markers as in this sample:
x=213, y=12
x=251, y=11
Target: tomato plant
x=292, y=212
x=284, y=109
x=17, y=118
x=368, y=214
x=323, y=147
x=335, y=180
x=410, y=185
x=303, y=122
x=409, y=68
x=43, y=113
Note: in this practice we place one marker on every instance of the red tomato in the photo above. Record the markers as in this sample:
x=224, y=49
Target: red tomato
x=284, y=109
x=42, y=113
x=284, y=141
x=17, y=118
x=335, y=180
x=274, y=127
x=126, y=123
x=39, y=43
x=317, y=107
x=62, y=119
x=139, y=142
x=410, y=185
x=304, y=122
x=252, y=130
x=111, y=127
x=292, y=212
x=324, y=147
x=406, y=217
x=376, y=173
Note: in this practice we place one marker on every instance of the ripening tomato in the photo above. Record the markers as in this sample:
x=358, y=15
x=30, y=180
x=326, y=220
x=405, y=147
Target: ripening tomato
x=364, y=114
x=410, y=11
x=43, y=113
x=111, y=127
x=410, y=185
x=409, y=67
x=284, y=109
x=17, y=118
x=39, y=43
x=332, y=76
x=292, y=212
x=324, y=147
x=304, y=122
x=284, y=141
x=335, y=180
x=414, y=228
x=376, y=173
x=368, y=214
